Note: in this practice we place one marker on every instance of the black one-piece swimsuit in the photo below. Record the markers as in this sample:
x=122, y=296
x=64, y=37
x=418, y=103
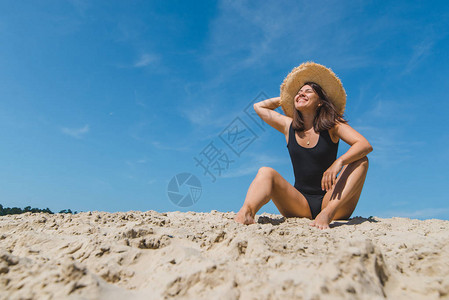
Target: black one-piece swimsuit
x=309, y=164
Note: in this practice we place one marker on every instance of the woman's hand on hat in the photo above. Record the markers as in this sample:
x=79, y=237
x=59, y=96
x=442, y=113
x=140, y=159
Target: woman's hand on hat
x=330, y=176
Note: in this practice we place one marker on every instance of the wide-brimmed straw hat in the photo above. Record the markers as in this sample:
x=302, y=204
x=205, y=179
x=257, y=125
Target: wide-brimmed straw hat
x=312, y=72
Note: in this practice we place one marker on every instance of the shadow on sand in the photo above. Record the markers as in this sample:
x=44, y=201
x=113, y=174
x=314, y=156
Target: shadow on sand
x=266, y=220
x=352, y=221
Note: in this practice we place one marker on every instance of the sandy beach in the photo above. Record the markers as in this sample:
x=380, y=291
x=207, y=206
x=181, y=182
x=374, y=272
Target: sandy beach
x=151, y=255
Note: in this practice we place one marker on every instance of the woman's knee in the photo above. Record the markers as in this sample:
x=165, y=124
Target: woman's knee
x=266, y=173
x=362, y=162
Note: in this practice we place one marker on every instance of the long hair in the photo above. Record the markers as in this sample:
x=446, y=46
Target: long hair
x=326, y=115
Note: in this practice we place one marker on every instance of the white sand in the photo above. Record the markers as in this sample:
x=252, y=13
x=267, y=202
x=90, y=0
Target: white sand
x=150, y=255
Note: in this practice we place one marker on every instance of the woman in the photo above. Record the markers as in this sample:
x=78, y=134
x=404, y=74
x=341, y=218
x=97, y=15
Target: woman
x=326, y=188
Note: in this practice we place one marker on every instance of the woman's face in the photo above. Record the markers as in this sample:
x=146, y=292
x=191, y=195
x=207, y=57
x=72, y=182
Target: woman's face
x=306, y=99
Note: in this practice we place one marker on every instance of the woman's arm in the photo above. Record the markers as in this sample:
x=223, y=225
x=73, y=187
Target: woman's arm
x=271, y=103
x=266, y=111
x=360, y=147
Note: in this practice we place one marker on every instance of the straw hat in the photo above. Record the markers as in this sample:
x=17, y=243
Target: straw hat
x=312, y=72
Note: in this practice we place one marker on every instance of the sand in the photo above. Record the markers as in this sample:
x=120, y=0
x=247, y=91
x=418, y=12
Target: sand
x=151, y=255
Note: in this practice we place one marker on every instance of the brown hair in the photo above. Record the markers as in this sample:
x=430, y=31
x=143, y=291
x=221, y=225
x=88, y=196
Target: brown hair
x=326, y=115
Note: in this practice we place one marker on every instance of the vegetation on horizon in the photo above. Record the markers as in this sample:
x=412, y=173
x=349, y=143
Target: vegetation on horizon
x=17, y=210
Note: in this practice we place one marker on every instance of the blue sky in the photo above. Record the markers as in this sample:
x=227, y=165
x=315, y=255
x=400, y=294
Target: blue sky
x=104, y=102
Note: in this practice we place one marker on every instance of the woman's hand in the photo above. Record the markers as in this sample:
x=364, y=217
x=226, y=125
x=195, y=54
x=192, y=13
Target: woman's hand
x=330, y=176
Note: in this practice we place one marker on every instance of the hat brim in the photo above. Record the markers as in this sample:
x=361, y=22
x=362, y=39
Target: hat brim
x=312, y=72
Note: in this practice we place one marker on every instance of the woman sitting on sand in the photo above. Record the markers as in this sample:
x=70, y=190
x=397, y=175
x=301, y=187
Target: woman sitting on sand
x=326, y=188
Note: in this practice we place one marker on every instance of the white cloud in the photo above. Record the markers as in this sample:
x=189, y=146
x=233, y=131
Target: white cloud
x=424, y=47
x=420, y=51
x=250, y=167
x=389, y=147
x=383, y=125
x=400, y=203
x=135, y=164
x=252, y=35
x=162, y=146
x=142, y=132
x=420, y=213
x=76, y=132
x=144, y=60
x=200, y=115
x=208, y=119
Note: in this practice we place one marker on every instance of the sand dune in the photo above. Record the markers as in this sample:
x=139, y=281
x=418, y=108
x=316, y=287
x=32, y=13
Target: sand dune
x=151, y=255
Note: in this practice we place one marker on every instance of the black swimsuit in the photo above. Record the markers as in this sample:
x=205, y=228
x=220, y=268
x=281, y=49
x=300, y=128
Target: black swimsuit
x=309, y=164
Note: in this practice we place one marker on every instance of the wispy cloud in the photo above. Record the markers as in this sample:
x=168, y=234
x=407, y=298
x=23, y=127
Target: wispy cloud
x=210, y=115
x=142, y=131
x=137, y=163
x=258, y=34
x=162, y=146
x=420, y=52
x=200, y=115
x=251, y=36
x=250, y=167
x=390, y=148
x=144, y=60
x=209, y=119
x=139, y=101
x=76, y=132
x=399, y=203
x=420, y=213
x=138, y=130
x=383, y=124
x=81, y=6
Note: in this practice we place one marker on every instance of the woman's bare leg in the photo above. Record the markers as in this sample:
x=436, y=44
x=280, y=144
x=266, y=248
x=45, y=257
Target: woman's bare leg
x=269, y=184
x=341, y=200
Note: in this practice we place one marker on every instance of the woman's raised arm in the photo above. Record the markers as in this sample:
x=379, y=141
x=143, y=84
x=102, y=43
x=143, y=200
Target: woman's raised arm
x=266, y=111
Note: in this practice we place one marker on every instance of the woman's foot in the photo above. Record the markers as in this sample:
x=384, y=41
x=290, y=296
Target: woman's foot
x=244, y=216
x=323, y=219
